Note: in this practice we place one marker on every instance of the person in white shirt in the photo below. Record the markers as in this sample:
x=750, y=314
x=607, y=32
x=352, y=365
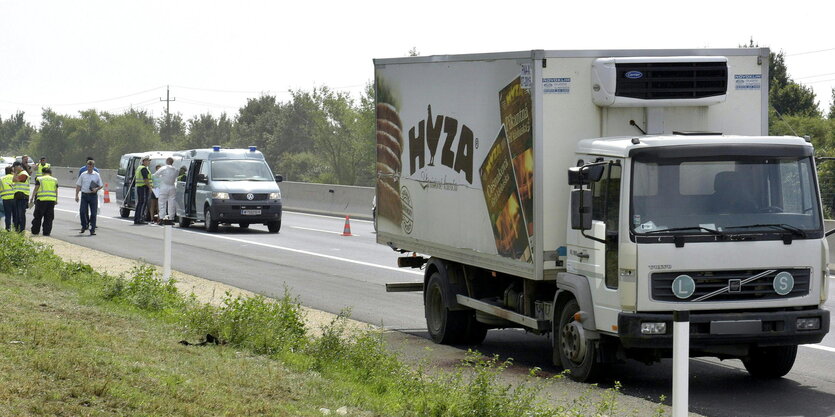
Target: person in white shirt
x=167, y=189
x=88, y=184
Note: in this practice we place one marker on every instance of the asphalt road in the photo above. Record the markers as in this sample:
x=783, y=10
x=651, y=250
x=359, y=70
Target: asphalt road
x=331, y=272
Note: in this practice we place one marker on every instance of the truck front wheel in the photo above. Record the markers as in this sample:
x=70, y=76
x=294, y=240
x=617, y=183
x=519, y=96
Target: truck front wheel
x=770, y=362
x=446, y=326
x=576, y=352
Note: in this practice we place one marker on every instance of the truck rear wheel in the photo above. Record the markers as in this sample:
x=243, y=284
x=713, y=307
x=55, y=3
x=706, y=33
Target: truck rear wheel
x=124, y=212
x=577, y=354
x=446, y=326
x=770, y=362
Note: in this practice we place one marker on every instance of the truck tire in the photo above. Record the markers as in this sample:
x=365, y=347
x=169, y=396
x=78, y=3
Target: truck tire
x=770, y=362
x=274, y=227
x=211, y=224
x=124, y=212
x=577, y=354
x=445, y=326
x=243, y=225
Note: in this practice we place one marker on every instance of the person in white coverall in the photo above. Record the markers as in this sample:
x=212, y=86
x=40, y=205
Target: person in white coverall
x=167, y=189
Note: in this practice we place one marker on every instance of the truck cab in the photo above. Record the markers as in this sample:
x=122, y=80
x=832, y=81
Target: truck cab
x=682, y=222
x=226, y=186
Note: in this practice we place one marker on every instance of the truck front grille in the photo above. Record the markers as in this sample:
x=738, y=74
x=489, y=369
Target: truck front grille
x=709, y=282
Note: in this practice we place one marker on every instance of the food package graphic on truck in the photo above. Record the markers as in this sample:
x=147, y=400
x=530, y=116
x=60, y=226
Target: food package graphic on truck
x=588, y=195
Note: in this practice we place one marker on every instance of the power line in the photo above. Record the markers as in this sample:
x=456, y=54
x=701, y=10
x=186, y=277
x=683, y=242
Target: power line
x=84, y=103
x=815, y=76
x=812, y=52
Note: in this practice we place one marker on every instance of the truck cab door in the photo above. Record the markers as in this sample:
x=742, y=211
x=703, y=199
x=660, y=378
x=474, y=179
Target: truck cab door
x=594, y=259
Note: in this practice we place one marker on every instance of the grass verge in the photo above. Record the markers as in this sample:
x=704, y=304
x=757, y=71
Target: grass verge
x=77, y=342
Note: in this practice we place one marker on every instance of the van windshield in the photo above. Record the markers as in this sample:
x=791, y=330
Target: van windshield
x=241, y=170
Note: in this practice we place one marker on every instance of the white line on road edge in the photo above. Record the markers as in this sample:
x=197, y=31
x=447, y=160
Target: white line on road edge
x=304, y=252
x=320, y=230
x=821, y=347
x=266, y=245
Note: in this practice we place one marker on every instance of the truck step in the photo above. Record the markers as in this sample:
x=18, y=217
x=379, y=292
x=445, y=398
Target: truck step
x=529, y=322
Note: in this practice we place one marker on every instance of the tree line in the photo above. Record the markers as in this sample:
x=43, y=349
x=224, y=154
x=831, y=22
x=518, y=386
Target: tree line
x=323, y=135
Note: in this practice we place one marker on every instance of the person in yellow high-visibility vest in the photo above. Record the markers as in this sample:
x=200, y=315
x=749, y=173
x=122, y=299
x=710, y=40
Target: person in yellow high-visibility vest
x=7, y=194
x=142, y=185
x=39, y=167
x=46, y=197
x=20, y=182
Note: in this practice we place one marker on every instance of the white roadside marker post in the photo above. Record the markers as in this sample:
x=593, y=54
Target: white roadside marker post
x=168, y=226
x=681, y=358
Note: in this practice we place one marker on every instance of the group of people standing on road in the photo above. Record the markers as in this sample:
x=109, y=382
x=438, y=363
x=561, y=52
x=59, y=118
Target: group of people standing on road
x=17, y=198
x=144, y=184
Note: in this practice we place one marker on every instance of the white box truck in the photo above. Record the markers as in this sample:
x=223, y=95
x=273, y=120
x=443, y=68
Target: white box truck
x=589, y=195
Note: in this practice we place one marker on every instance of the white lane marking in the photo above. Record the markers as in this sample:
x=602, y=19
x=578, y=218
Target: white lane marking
x=821, y=347
x=304, y=252
x=324, y=216
x=320, y=230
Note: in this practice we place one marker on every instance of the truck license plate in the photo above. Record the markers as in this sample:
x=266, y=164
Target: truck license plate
x=250, y=212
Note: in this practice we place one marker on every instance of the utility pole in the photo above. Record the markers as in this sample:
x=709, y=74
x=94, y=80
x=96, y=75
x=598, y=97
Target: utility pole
x=167, y=101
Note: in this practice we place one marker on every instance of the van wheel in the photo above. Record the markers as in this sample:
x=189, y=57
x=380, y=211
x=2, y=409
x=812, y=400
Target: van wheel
x=577, y=354
x=274, y=227
x=244, y=225
x=184, y=222
x=124, y=212
x=770, y=362
x=211, y=224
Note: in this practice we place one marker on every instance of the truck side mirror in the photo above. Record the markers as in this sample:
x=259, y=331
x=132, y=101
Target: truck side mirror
x=581, y=209
x=202, y=178
x=585, y=174
x=279, y=178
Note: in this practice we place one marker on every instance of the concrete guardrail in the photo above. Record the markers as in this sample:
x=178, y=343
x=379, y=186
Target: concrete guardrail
x=325, y=199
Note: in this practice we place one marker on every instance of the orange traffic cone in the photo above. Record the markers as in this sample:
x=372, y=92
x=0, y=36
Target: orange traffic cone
x=106, y=194
x=347, y=230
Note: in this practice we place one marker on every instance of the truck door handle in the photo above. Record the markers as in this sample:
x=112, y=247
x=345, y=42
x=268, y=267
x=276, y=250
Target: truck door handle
x=583, y=255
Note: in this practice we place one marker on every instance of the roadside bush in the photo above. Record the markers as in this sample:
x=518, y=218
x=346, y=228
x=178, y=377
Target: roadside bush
x=144, y=290
x=264, y=326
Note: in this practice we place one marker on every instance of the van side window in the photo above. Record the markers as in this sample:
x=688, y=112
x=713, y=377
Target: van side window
x=204, y=168
x=123, y=166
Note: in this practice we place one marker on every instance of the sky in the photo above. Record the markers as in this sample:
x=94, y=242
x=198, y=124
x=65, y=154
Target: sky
x=113, y=55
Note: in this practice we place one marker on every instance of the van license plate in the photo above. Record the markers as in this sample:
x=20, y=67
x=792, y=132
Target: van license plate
x=250, y=212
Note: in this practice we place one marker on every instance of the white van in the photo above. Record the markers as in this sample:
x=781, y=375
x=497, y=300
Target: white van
x=125, y=186
x=227, y=186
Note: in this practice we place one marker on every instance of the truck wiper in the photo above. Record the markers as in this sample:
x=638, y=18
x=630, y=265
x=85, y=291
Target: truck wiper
x=787, y=227
x=682, y=229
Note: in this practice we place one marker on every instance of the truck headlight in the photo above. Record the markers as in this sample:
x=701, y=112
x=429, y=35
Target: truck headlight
x=220, y=196
x=809, y=323
x=654, y=328
x=275, y=196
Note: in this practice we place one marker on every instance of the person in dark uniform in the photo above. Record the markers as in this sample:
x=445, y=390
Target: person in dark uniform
x=45, y=197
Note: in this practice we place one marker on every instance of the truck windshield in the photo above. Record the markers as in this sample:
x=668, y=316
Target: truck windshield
x=241, y=170
x=739, y=195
